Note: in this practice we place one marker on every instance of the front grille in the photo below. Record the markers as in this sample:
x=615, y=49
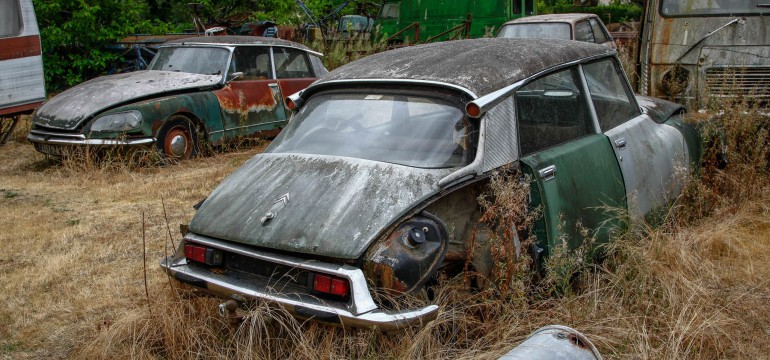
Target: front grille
x=739, y=81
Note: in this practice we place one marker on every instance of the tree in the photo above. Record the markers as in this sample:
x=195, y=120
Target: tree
x=75, y=35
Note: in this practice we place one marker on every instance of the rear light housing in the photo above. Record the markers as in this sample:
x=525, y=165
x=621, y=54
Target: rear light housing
x=331, y=285
x=203, y=254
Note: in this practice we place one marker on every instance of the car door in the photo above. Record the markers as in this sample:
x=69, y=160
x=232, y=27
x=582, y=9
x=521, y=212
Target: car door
x=649, y=153
x=253, y=101
x=575, y=176
x=293, y=70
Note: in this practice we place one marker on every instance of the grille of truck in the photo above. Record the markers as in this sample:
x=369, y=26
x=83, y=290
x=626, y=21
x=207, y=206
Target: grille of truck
x=739, y=81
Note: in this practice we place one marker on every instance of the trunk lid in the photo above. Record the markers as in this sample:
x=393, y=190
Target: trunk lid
x=320, y=205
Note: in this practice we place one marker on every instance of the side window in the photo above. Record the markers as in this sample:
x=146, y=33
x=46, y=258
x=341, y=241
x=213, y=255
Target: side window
x=552, y=110
x=10, y=18
x=253, y=62
x=598, y=30
x=610, y=94
x=583, y=31
x=291, y=63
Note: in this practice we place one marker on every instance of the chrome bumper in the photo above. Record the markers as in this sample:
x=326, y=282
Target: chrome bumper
x=50, y=138
x=360, y=311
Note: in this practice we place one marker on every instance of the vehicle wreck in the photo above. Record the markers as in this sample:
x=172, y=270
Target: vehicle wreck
x=701, y=52
x=373, y=186
x=197, y=91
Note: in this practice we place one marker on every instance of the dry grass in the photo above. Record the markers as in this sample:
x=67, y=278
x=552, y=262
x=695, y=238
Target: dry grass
x=72, y=282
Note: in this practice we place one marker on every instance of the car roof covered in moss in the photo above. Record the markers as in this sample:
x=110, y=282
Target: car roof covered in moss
x=478, y=65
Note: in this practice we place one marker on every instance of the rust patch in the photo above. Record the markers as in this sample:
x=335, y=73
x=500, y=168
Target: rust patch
x=246, y=96
x=575, y=339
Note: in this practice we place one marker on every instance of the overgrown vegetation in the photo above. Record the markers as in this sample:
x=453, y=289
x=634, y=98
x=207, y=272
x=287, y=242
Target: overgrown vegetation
x=693, y=287
x=79, y=236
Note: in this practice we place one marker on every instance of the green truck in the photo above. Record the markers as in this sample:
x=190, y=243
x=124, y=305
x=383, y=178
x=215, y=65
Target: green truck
x=437, y=20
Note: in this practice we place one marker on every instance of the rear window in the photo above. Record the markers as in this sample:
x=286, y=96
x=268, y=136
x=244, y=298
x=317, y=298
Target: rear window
x=537, y=31
x=412, y=130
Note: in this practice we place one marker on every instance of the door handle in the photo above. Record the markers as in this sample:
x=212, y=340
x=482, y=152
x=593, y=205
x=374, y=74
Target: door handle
x=272, y=84
x=548, y=172
x=620, y=143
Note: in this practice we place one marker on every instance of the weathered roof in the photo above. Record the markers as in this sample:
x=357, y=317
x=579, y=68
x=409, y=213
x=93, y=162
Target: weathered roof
x=479, y=65
x=237, y=40
x=570, y=18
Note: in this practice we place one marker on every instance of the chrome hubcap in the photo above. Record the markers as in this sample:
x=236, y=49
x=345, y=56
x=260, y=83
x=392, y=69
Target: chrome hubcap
x=178, y=145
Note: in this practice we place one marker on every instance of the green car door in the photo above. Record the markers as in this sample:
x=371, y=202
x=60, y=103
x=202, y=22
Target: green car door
x=575, y=176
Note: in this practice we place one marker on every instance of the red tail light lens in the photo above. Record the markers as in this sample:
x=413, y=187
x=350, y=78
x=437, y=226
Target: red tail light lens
x=331, y=285
x=203, y=254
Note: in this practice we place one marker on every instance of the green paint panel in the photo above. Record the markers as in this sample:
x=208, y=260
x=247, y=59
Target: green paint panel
x=588, y=188
x=437, y=16
x=202, y=106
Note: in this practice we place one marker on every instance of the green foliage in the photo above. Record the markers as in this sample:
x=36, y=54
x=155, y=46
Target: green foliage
x=75, y=33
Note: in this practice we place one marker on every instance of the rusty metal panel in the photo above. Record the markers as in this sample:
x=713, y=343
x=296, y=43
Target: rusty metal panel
x=250, y=103
x=686, y=58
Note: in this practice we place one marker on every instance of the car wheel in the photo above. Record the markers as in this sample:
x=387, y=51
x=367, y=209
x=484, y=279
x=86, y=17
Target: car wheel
x=177, y=139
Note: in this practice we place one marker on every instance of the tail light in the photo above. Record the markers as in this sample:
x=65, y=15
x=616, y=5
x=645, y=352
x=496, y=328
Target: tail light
x=203, y=254
x=333, y=285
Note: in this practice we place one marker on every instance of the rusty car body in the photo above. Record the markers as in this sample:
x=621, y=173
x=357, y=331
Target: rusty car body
x=22, y=84
x=573, y=26
x=693, y=52
x=373, y=187
x=203, y=89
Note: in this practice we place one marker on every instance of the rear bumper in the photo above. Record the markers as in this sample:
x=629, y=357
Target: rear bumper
x=359, y=311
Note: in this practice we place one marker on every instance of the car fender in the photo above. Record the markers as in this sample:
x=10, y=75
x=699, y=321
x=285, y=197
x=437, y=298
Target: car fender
x=201, y=106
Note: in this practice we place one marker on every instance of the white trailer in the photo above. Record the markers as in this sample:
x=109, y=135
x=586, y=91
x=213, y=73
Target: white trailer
x=22, y=84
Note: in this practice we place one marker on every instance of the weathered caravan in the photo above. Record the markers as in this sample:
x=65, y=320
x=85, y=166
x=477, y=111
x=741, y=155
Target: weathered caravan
x=21, y=64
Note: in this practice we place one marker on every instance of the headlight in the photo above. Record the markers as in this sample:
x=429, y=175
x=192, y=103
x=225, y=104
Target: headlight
x=410, y=255
x=675, y=81
x=122, y=121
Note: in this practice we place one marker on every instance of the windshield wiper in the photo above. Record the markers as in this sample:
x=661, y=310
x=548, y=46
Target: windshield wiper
x=733, y=21
x=763, y=5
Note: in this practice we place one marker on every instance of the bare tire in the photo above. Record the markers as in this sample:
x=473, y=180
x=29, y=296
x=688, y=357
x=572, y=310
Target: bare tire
x=177, y=140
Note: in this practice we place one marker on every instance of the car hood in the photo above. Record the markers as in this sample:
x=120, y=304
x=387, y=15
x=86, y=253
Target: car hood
x=70, y=108
x=321, y=205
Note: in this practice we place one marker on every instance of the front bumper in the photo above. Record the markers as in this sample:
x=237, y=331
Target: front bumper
x=359, y=311
x=52, y=142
